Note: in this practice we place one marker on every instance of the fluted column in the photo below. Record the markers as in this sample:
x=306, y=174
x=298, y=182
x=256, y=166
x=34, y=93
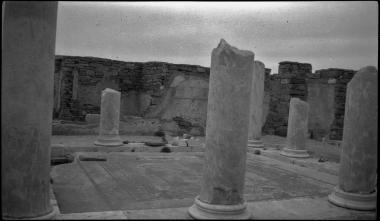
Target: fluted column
x=256, y=106
x=109, y=119
x=358, y=160
x=27, y=80
x=222, y=189
x=297, y=129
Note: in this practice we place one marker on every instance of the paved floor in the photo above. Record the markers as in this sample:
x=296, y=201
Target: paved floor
x=154, y=185
x=71, y=144
x=303, y=208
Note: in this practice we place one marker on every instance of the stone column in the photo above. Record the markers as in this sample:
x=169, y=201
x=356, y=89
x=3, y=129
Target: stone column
x=297, y=129
x=27, y=72
x=221, y=195
x=358, y=160
x=256, y=106
x=109, y=119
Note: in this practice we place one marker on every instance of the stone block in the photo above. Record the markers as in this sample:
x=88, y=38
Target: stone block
x=331, y=81
x=285, y=81
x=92, y=118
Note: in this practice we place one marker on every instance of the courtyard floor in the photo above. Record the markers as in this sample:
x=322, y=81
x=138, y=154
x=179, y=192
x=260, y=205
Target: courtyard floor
x=140, y=182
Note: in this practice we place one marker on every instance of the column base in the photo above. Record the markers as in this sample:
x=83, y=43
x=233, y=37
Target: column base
x=109, y=141
x=49, y=216
x=255, y=143
x=201, y=210
x=294, y=153
x=354, y=201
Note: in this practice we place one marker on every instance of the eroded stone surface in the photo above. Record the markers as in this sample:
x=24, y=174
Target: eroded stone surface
x=256, y=101
x=110, y=112
x=161, y=180
x=358, y=165
x=321, y=100
x=297, y=124
x=109, y=116
x=227, y=125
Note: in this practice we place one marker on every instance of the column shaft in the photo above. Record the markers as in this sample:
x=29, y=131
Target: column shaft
x=28, y=52
x=358, y=161
x=226, y=134
x=297, y=129
x=256, y=105
x=109, y=119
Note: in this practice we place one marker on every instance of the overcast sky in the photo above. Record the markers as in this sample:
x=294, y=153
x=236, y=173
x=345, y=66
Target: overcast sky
x=326, y=34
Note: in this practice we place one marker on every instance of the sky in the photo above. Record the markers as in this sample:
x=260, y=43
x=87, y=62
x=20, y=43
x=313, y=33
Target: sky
x=326, y=34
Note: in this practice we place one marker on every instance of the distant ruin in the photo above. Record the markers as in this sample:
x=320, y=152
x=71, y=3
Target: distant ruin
x=324, y=90
x=173, y=97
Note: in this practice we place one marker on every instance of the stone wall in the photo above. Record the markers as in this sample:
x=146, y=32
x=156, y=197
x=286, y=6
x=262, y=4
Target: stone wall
x=339, y=78
x=174, y=93
x=321, y=100
x=324, y=90
x=174, y=96
x=289, y=82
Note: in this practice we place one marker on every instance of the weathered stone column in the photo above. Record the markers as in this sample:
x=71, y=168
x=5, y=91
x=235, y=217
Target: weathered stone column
x=109, y=119
x=27, y=72
x=297, y=129
x=256, y=106
x=358, y=160
x=221, y=195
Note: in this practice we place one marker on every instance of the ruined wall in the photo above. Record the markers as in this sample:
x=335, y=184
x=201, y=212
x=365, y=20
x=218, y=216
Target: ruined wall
x=174, y=96
x=321, y=100
x=339, y=78
x=324, y=90
x=289, y=82
x=147, y=90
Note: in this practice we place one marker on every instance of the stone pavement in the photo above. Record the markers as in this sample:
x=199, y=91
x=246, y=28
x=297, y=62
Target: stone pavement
x=76, y=143
x=303, y=208
x=154, y=185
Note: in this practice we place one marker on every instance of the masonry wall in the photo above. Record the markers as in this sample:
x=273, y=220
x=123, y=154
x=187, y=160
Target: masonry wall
x=173, y=97
x=339, y=78
x=289, y=82
x=173, y=93
x=321, y=100
x=324, y=90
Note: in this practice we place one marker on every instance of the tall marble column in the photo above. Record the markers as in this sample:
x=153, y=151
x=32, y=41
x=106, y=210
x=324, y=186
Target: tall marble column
x=221, y=195
x=27, y=72
x=109, y=119
x=297, y=129
x=256, y=106
x=358, y=160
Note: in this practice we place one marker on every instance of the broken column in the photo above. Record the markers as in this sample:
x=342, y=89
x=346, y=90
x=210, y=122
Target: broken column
x=297, y=129
x=27, y=72
x=109, y=119
x=356, y=187
x=256, y=106
x=221, y=194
